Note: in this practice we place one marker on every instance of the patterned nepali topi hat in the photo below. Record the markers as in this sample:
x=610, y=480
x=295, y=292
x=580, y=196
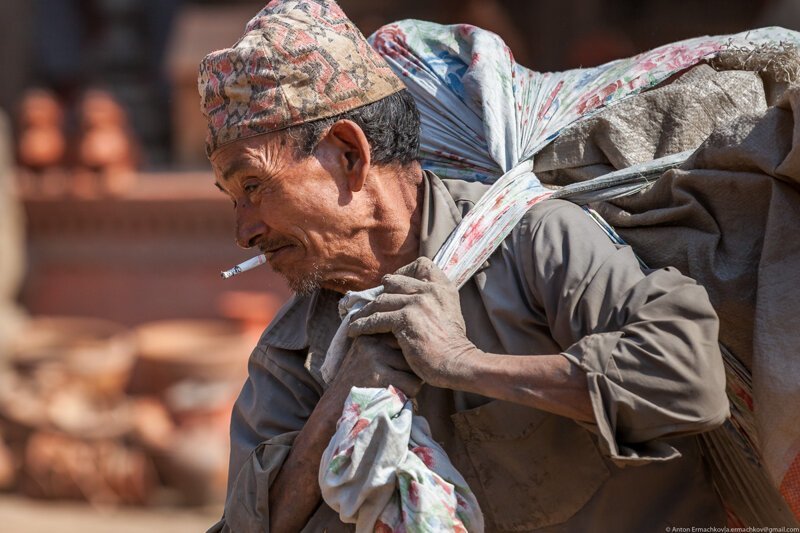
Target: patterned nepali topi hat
x=298, y=61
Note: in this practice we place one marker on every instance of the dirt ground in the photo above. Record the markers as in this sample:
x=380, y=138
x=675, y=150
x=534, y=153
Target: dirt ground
x=22, y=515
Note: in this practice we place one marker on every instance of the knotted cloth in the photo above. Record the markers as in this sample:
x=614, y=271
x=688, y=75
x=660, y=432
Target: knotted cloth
x=384, y=472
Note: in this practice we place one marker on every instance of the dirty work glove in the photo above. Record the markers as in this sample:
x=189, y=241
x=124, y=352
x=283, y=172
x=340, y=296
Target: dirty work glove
x=421, y=308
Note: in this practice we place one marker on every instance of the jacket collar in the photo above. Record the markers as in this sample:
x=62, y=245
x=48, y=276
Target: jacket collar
x=440, y=216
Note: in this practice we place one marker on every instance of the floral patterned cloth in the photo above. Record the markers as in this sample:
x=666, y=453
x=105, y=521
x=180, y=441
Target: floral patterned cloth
x=384, y=472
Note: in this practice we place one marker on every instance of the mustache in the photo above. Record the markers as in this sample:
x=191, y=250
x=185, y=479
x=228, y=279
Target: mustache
x=270, y=245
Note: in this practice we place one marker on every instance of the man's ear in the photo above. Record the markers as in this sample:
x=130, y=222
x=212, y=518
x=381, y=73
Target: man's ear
x=352, y=152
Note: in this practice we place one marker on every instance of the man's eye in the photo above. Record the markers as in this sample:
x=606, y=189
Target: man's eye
x=250, y=187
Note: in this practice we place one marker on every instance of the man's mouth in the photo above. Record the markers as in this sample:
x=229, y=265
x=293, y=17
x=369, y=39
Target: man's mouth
x=271, y=250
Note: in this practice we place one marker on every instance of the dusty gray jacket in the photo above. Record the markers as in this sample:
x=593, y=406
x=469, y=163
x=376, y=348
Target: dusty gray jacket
x=646, y=340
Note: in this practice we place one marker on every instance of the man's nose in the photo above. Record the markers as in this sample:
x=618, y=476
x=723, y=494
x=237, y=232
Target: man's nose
x=250, y=229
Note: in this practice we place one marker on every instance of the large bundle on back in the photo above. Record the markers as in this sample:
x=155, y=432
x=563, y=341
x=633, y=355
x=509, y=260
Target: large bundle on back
x=726, y=217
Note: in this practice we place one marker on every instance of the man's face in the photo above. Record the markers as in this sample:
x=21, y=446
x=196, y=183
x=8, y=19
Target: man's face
x=298, y=211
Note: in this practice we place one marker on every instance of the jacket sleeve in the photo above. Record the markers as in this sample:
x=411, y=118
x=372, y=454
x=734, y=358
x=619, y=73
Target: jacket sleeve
x=647, y=339
x=277, y=398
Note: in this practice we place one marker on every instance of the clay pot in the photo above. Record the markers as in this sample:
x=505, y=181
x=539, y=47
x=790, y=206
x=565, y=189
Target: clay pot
x=103, y=472
x=196, y=350
x=252, y=309
x=188, y=439
x=106, y=147
x=196, y=464
x=41, y=143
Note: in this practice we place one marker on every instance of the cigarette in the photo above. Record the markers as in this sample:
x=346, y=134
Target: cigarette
x=250, y=264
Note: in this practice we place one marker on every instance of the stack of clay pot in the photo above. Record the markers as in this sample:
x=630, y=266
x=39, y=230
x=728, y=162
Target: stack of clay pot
x=93, y=411
x=41, y=143
x=65, y=417
x=97, y=158
x=106, y=150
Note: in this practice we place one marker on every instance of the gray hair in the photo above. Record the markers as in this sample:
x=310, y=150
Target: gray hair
x=391, y=126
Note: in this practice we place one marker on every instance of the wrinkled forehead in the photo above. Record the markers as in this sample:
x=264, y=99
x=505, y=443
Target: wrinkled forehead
x=260, y=154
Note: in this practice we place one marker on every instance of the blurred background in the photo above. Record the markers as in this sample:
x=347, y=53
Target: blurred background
x=121, y=349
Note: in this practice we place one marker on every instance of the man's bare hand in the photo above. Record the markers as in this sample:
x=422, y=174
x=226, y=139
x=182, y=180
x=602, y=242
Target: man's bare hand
x=376, y=361
x=421, y=308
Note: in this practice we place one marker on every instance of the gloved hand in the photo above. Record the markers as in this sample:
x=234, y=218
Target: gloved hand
x=421, y=308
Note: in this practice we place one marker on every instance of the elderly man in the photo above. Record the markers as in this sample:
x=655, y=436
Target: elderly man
x=563, y=381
